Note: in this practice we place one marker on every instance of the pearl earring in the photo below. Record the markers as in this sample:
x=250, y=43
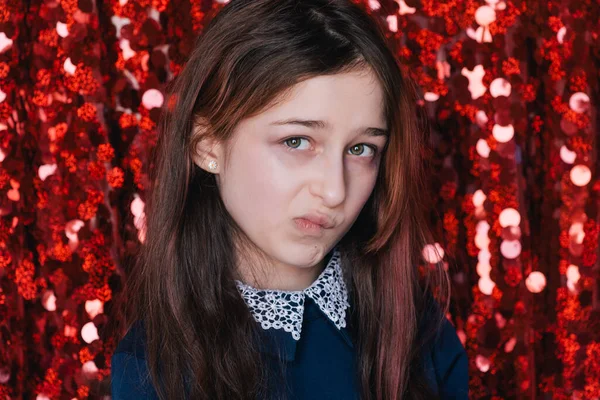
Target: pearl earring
x=212, y=165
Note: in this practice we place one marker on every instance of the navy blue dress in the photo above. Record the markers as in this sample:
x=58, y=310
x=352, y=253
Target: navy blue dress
x=319, y=366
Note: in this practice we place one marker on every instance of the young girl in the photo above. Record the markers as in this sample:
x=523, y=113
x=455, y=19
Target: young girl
x=284, y=226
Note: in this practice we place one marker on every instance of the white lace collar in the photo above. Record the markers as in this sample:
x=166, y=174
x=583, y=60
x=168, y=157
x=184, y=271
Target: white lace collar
x=282, y=309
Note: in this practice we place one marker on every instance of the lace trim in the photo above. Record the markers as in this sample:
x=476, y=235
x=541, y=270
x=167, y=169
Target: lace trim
x=283, y=309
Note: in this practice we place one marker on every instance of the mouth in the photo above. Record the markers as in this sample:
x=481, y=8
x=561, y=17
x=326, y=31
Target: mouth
x=314, y=223
x=309, y=227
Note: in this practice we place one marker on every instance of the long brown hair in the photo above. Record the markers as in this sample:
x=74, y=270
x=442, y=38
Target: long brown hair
x=201, y=337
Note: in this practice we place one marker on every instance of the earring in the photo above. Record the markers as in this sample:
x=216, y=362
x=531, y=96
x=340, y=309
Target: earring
x=212, y=165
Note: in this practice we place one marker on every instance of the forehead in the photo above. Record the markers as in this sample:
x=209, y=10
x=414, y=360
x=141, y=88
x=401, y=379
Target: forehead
x=344, y=100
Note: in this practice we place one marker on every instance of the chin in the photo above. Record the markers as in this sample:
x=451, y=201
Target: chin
x=305, y=255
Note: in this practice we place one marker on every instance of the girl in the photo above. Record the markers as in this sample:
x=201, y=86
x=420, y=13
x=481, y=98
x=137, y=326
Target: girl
x=284, y=225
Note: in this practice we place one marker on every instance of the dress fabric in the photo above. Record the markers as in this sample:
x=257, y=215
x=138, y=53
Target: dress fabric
x=307, y=329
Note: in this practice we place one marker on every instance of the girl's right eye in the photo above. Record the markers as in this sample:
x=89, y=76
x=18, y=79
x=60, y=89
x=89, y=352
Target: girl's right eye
x=295, y=143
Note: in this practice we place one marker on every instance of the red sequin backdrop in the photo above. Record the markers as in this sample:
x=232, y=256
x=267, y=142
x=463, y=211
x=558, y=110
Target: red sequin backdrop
x=509, y=87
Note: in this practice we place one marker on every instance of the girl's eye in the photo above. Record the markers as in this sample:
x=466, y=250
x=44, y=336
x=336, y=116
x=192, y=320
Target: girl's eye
x=362, y=150
x=358, y=150
x=295, y=142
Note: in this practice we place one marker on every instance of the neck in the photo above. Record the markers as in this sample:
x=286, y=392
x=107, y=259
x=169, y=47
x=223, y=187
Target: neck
x=281, y=277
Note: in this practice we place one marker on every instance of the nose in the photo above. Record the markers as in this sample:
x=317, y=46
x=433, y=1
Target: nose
x=330, y=182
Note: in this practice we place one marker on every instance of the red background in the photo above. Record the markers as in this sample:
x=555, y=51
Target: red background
x=75, y=134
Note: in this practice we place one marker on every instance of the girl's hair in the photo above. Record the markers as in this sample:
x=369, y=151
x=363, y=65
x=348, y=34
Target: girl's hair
x=200, y=336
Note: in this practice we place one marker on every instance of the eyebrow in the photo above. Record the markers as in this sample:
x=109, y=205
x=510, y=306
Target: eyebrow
x=318, y=124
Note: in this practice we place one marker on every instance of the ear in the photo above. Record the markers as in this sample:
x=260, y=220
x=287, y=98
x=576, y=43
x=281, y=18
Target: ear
x=206, y=148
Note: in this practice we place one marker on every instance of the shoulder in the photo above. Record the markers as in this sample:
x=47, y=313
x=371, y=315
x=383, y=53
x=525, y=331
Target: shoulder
x=446, y=363
x=134, y=341
x=129, y=373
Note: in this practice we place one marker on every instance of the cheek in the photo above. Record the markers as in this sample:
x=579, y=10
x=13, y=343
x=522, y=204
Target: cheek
x=359, y=190
x=256, y=190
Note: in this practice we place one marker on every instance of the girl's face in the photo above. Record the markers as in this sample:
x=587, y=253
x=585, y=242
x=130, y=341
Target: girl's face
x=314, y=155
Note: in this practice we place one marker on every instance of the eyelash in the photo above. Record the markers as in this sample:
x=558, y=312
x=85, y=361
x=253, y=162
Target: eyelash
x=375, y=149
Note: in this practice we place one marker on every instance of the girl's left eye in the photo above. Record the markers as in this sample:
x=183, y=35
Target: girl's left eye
x=295, y=143
x=358, y=150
